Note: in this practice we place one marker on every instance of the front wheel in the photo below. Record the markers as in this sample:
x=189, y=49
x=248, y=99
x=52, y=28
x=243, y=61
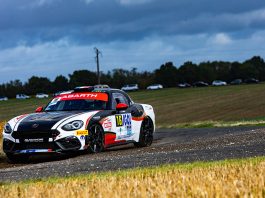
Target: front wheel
x=96, y=139
x=146, y=133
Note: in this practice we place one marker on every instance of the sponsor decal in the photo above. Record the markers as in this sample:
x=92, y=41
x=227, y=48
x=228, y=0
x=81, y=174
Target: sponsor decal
x=124, y=123
x=81, y=132
x=84, y=96
x=82, y=137
x=35, y=151
x=129, y=130
x=33, y=140
x=123, y=120
x=107, y=124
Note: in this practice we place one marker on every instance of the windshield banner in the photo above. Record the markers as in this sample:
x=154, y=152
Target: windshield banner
x=83, y=96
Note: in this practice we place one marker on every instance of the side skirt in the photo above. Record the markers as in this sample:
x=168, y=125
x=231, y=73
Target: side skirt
x=120, y=143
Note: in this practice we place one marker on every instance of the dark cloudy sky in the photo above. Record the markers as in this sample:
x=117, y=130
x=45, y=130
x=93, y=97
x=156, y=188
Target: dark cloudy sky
x=52, y=37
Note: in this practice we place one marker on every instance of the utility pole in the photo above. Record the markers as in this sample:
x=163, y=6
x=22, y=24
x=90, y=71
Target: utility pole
x=97, y=61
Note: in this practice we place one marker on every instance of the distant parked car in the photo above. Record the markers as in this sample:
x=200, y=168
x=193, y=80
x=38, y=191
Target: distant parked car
x=184, y=85
x=42, y=95
x=219, y=83
x=131, y=87
x=200, y=84
x=22, y=96
x=154, y=87
x=251, y=81
x=3, y=98
x=101, y=86
x=236, y=82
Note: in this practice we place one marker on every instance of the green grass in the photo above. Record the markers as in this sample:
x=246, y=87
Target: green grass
x=194, y=107
x=14, y=107
x=174, y=107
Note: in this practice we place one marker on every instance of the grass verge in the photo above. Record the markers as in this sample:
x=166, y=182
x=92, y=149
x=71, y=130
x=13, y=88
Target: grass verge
x=212, y=124
x=230, y=178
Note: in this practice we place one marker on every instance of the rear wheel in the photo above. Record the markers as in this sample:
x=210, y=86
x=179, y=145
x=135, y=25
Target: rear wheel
x=96, y=139
x=12, y=158
x=146, y=133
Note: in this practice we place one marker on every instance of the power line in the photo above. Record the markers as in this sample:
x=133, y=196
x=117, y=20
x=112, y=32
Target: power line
x=97, y=61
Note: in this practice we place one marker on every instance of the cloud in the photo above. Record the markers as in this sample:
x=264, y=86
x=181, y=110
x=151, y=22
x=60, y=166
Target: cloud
x=221, y=39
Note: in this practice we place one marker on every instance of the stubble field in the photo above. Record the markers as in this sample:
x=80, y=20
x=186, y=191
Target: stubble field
x=242, y=178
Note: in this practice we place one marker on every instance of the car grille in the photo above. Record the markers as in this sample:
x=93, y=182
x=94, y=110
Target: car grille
x=9, y=146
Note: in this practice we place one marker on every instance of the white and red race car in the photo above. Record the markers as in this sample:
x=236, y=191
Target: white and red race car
x=88, y=118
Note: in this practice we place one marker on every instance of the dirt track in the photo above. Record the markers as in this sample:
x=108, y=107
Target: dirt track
x=170, y=146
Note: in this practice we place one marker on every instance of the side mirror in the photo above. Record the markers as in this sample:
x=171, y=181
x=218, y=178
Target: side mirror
x=39, y=109
x=121, y=106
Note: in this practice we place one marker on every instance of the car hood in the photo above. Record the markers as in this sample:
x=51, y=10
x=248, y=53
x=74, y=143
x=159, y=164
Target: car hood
x=44, y=121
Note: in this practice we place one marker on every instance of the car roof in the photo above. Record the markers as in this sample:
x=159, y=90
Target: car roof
x=108, y=90
x=94, y=89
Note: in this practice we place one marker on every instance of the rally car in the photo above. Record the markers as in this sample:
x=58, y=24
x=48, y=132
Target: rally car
x=87, y=118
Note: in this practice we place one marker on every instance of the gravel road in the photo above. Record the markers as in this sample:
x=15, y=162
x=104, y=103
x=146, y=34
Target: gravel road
x=170, y=146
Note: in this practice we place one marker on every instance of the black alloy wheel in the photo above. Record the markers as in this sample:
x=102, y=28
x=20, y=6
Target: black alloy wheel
x=96, y=139
x=146, y=133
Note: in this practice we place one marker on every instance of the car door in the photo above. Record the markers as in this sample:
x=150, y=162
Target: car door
x=123, y=119
x=118, y=127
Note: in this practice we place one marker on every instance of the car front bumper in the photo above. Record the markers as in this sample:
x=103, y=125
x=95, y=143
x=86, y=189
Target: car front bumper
x=70, y=143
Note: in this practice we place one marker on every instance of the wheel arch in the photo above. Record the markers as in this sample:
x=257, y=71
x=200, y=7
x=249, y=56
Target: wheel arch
x=149, y=112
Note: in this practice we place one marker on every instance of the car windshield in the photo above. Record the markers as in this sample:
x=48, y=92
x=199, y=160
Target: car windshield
x=78, y=101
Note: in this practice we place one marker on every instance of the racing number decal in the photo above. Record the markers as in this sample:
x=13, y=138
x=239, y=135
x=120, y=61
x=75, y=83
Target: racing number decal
x=119, y=122
x=123, y=120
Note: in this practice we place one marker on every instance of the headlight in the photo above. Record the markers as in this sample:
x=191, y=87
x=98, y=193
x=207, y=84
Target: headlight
x=74, y=125
x=7, y=128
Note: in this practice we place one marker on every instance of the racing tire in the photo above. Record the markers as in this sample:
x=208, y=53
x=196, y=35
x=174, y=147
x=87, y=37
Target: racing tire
x=96, y=139
x=146, y=133
x=15, y=159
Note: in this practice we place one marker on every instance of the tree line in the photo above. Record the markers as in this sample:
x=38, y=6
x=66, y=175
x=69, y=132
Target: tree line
x=168, y=75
